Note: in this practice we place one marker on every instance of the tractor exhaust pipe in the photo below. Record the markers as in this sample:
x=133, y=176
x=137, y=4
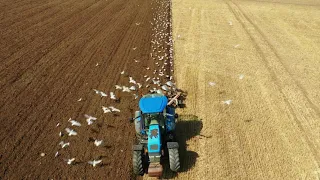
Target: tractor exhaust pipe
x=155, y=170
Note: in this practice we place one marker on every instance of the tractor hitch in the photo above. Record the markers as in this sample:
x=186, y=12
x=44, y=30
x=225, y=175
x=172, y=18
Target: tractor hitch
x=155, y=170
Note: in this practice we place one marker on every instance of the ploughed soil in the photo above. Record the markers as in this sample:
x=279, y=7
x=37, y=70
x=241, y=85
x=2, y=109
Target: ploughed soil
x=53, y=54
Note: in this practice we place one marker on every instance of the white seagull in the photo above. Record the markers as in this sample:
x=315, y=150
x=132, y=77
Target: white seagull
x=132, y=88
x=94, y=162
x=89, y=119
x=118, y=87
x=125, y=89
x=102, y=94
x=156, y=82
x=70, y=161
x=159, y=91
x=74, y=122
x=105, y=109
x=169, y=83
x=164, y=87
x=236, y=46
x=113, y=109
x=228, y=102
x=112, y=95
x=71, y=132
x=131, y=80
x=98, y=142
x=63, y=145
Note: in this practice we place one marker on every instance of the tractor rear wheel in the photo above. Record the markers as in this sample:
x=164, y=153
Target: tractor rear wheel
x=137, y=162
x=174, y=159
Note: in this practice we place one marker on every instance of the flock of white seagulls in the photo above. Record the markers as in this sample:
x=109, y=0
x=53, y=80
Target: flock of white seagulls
x=158, y=79
x=160, y=82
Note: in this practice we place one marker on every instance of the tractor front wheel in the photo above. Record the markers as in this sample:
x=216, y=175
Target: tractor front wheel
x=137, y=163
x=174, y=159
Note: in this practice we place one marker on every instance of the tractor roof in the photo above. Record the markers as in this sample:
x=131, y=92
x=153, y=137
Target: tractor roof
x=153, y=103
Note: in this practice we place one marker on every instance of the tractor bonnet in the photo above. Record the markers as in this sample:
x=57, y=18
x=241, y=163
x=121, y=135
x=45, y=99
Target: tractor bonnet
x=153, y=103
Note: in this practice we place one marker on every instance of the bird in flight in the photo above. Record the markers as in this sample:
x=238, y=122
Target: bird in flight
x=70, y=161
x=63, y=144
x=112, y=95
x=71, y=132
x=74, y=122
x=102, y=94
x=132, y=88
x=105, y=109
x=98, y=142
x=89, y=119
x=125, y=89
x=164, y=87
x=118, y=87
x=169, y=83
x=131, y=80
x=94, y=162
x=113, y=109
x=228, y=102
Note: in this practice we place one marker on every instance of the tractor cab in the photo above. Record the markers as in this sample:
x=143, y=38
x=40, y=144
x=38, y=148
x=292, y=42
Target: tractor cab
x=152, y=110
x=150, y=119
x=153, y=103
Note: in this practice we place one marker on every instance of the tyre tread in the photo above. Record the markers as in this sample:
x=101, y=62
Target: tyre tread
x=174, y=159
x=137, y=163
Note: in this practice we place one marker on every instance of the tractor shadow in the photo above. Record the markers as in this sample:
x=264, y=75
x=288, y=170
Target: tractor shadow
x=187, y=127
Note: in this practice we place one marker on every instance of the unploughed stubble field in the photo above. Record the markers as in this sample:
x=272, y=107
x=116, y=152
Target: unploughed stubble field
x=252, y=73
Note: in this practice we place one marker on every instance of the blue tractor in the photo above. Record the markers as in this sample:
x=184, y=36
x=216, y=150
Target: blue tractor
x=155, y=124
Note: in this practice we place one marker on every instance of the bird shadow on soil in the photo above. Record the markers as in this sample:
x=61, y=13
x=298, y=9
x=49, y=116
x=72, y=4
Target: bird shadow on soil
x=187, y=127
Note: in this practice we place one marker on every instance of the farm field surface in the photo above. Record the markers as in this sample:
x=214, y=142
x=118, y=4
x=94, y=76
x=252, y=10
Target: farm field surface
x=264, y=57
x=54, y=55
x=250, y=69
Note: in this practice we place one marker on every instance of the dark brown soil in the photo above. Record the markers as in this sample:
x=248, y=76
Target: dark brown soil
x=49, y=50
